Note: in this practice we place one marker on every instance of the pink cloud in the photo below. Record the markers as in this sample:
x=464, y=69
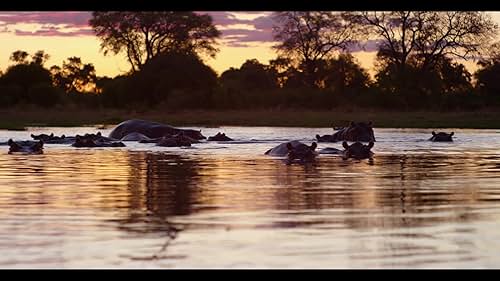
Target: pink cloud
x=70, y=19
x=51, y=24
x=54, y=32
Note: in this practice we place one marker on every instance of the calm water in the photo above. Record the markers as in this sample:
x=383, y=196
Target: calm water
x=227, y=205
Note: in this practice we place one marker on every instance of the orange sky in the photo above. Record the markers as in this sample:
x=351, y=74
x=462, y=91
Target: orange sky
x=47, y=34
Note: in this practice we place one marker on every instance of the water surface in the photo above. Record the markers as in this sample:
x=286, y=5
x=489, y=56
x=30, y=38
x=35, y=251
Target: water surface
x=227, y=205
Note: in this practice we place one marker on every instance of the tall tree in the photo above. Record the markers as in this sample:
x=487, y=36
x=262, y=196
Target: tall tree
x=308, y=37
x=74, y=75
x=144, y=35
x=427, y=36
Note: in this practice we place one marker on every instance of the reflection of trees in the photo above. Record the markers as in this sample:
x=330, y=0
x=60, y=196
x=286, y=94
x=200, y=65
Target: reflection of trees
x=160, y=185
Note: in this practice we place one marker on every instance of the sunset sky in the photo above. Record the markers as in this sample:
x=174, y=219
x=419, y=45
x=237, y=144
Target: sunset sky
x=245, y=35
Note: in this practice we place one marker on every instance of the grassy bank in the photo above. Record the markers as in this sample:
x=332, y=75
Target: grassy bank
x=19, y=118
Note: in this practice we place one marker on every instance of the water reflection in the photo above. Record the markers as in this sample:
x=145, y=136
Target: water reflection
x=137, y=206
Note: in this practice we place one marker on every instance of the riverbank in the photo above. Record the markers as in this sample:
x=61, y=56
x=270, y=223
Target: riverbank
x=19, y=119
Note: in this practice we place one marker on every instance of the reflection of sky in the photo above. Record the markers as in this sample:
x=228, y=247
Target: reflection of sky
x=418, y=204
x=245, y=35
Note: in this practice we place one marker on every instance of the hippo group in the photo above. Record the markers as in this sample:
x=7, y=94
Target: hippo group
x=143, y=131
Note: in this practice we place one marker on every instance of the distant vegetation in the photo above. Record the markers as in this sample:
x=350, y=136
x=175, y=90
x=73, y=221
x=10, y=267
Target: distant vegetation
x=417, y=66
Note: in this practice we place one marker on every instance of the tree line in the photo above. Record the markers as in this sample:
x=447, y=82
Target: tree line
x=417, y=64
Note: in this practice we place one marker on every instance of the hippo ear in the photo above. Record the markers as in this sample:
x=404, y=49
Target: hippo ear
x=10, y=142
x=452, y=133
x=370, y=124
x=352, y=124
x=98, y=134
x=318, y=137
x=433, y=133
x=289, y=146
x=52, y=135
x=314, y=145
x=33, y=136
x=345, y=145
x=370, y=145
x=63, y=136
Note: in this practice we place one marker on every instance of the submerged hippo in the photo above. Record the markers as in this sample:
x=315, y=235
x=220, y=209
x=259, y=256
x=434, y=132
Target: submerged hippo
x=357, y=150
x=441, y=136
x=175, y=141
x=357, y=131
x=294, y=150
x=29, y=147
x=151, y=130
x=91, y=140
x=220, y=137
x=45, y=137
x=53, y=139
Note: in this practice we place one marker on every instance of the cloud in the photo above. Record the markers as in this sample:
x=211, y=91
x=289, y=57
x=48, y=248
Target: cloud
x=260, y=27
x=239, y=29
x=69, y=19
x=46, y=23
x=54, y=32
x=367, y=46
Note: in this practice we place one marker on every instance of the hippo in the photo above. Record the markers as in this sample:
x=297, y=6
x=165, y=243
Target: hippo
x=295, y=150
x=357, y=150
x=357, y=131
x=220, y=137
x=51, y=139
x=28, y=147
x=135, y=136
x=45, y=137
x=97, y=137
x=151, y=130
x=441, y=136
x=330, y=150
x=90, y=140
x=174, y=141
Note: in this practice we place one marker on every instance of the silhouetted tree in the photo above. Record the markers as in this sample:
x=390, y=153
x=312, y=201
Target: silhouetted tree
x=19, y=57
x=74, y=76
x=488, y=75
x=344, y=74
x=173, y=78
x=144, y=35
x=307, y=37
x=427, y=36
x=28, y=82
x=252, y=75
x=40, y=57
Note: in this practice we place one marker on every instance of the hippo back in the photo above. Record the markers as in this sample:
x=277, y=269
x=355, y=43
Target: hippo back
x=282, y=149
x=357, y=131
x=147, y=128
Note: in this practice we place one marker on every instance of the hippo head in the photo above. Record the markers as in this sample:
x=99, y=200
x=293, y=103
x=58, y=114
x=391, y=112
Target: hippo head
x=85, y=141
x=194, y=134
x=220, y=137
x=46, y=138
x=442, y=136
x=301, y=152
x=30, y=147
x=357, y=150
x=360, y=131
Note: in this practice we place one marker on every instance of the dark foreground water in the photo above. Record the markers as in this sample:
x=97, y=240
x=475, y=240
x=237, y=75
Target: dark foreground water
x=227, y=205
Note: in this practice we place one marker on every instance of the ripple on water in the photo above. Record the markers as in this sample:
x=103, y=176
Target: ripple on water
x=417, y=204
